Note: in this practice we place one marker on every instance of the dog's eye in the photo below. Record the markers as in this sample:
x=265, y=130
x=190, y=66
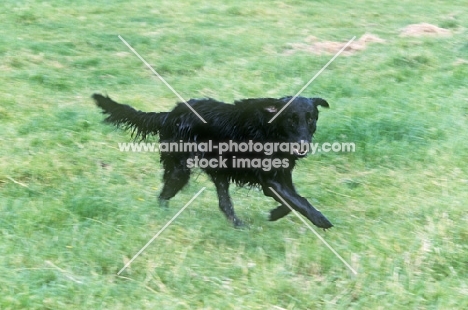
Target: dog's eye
x=309, y=117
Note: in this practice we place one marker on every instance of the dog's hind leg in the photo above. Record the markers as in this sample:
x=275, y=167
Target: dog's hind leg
x=176, y=176
x=225, y=203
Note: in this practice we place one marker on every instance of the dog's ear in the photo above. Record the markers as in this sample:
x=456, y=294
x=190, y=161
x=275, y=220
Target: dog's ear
x=320, y=102
x=271, y=109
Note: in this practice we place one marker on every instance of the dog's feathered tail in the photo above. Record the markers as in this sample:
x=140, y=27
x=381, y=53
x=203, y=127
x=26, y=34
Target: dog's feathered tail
x=141, y=124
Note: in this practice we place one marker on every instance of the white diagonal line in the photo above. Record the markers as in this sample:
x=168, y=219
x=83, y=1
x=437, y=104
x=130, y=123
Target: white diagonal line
x=160, y=231
x=313, y=230
x=312, y=79
x=161, y=78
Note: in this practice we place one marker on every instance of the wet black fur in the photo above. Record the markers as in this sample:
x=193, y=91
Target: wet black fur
x=242, y=121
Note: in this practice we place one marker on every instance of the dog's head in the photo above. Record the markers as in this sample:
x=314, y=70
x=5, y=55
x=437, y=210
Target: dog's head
x=297, y=122
x=281, y=121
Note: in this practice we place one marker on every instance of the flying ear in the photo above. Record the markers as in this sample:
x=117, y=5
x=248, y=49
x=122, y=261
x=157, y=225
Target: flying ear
x=320, y=102
x=271, y=109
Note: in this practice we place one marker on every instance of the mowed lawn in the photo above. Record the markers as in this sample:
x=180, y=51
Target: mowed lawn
x=74, y=209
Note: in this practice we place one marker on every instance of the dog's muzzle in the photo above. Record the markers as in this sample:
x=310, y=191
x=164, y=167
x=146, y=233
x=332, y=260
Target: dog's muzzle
x=300, y=153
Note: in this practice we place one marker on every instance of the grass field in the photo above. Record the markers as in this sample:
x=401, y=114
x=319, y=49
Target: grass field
x=74, y=209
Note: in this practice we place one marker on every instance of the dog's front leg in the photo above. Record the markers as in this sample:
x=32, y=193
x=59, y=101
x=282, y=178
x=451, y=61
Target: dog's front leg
x=283, y=193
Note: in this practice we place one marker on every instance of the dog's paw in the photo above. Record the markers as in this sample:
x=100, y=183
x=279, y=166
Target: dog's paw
x=163, y=203
x=279, y=212
x=238, y=223
x=321, y=221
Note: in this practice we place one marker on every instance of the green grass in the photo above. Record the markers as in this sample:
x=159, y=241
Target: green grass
x=74, y=209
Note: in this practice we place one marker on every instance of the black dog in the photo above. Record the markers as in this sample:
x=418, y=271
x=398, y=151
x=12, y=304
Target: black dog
x=245, y=122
